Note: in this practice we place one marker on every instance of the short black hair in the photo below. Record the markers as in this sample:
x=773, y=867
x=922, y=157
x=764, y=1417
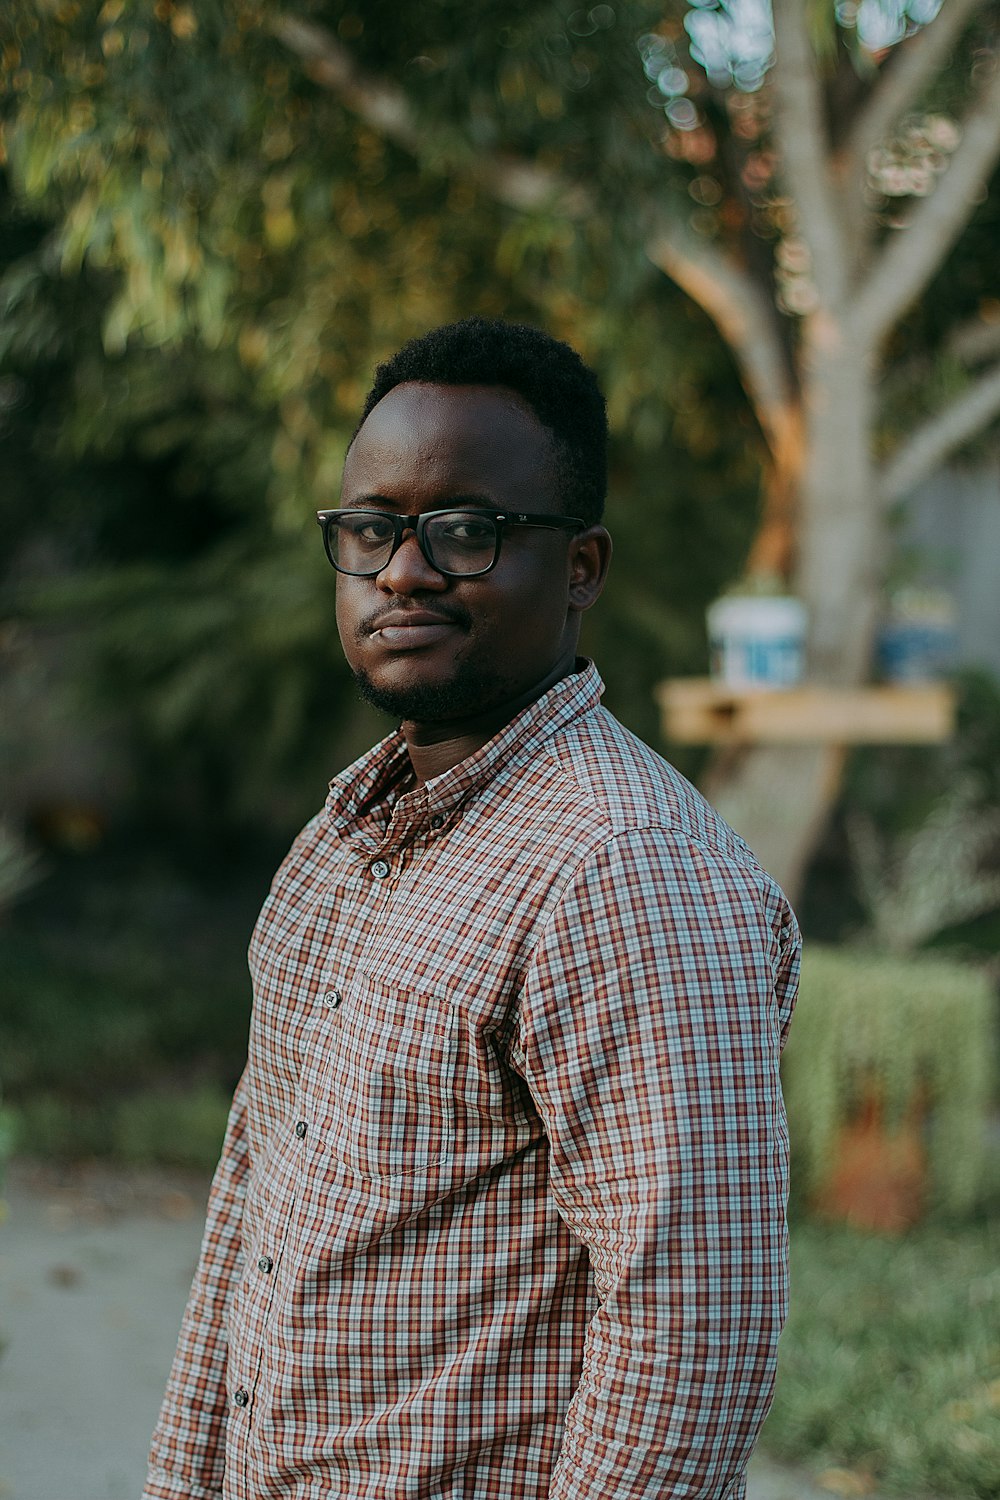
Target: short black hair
x=547, y=374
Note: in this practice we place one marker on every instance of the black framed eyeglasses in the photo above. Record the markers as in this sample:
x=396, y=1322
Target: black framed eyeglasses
x=456, y=543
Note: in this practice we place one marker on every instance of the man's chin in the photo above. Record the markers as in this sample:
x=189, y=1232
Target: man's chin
x=465, y=696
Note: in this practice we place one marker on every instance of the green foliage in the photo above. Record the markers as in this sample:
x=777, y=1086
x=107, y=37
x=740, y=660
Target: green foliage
x=122, y=972
x=8, y=1141
x=913, y=1034
x=901, y=798
x=181, y=1128
x=124, y=1009
x=202, y=255
x=233, y=655
x=889, y=1364
x=19, y=867
x=918, y=885
x=237, y=206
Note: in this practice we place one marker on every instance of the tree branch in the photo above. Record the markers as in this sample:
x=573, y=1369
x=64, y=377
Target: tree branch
x=511, y=180
x=911, y=257
x=927, y=448
x=329, y=64
x=804, y=148
x=900, y=83
x=743, y=315
x=730, y=297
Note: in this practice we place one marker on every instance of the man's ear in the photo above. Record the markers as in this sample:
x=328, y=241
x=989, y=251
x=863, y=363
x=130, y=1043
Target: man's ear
x=589, y=559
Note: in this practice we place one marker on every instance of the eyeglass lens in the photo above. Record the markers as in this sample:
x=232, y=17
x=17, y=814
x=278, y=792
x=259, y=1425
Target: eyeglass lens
x=454, y=541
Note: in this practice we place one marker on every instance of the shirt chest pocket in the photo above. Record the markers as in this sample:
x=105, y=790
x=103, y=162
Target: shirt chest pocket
x=393, y=1080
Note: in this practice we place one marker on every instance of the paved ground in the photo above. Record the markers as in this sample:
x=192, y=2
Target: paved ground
x=94, y=1271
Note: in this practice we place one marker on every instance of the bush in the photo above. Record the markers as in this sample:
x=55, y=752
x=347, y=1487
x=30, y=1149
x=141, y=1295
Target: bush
x=156, y=1128
x=123, y=1016
x=914, y=1034
x=182, y=1130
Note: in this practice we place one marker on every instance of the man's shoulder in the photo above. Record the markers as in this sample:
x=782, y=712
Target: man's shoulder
x=638, y=813
x=625, y=786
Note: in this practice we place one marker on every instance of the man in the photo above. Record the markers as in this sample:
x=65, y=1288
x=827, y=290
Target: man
x=500, y=1212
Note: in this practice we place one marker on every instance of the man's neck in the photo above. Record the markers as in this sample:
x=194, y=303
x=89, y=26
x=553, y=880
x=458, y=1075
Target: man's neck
x=435, y=748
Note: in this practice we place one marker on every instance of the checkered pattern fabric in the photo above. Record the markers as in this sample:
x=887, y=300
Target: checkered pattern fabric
x=500, y=1212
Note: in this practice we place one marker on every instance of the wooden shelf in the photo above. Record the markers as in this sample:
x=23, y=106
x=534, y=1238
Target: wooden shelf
x=700, y=711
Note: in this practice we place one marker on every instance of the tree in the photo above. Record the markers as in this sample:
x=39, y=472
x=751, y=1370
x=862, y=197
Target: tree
x=237, y=178
x=801, y=256
x=201, y=256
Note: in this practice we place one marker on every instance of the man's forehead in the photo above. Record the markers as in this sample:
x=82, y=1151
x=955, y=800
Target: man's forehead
x=432, y=403
x=438, y=426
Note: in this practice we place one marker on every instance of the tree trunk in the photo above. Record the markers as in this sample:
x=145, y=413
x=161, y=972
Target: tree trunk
x=775, y=547
x=780, y=797
x=840, y=558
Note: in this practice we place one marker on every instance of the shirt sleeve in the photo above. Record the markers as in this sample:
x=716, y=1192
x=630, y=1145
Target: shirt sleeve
x=187, y=1457
x=649, y=1033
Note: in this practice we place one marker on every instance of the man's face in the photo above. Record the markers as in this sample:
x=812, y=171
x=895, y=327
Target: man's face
x=427, y=648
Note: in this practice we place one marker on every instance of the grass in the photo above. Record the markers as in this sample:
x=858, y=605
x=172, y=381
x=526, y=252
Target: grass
x=890, y=1362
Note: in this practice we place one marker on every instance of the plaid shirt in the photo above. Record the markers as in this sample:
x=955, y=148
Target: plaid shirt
x=500, y=1211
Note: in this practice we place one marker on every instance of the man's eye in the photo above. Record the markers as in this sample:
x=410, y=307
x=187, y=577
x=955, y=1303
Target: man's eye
x=370, y=531
x=469, y=530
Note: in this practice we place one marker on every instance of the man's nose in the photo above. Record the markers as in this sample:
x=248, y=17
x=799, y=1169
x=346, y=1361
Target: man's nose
x=408, y=571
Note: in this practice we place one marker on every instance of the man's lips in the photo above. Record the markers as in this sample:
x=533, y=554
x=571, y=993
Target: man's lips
x=408, y=630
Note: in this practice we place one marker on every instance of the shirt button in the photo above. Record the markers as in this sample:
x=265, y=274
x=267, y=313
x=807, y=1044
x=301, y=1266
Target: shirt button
x=380, y=869
x=437, y=821
x=332, y=998
x=300, y=1129
x=265, y=1264
x=242, y=1397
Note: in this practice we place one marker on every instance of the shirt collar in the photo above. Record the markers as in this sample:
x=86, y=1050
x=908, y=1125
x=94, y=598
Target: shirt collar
x=375, y=777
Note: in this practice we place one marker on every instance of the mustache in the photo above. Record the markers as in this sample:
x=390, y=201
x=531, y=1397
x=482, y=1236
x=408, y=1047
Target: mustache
x=454, y=615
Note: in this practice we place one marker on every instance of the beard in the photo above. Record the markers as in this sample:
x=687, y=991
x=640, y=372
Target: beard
x=470, y=692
